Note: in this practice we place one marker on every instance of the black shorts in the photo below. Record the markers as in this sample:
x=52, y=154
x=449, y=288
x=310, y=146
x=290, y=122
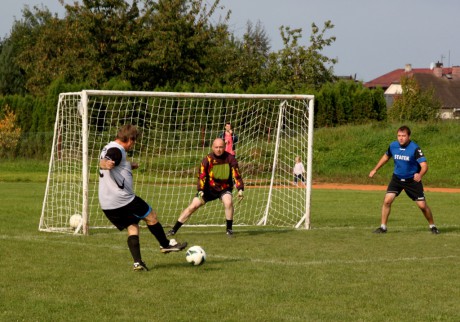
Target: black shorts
x=298, y=177
x=128, y=215
x=213, y=195
x=412, y=188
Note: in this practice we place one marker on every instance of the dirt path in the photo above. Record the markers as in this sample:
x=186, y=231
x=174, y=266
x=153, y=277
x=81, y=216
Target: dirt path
x=344, y=186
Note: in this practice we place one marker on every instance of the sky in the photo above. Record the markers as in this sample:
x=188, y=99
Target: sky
x=372, y=37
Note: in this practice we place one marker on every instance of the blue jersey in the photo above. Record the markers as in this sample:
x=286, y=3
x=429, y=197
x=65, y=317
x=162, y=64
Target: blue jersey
x=407, y=159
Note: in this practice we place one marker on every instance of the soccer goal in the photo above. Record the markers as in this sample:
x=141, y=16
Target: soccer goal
x=177, y=132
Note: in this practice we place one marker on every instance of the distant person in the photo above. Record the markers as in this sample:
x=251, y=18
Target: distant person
x=118, y=201
x=218, y=173
x=230, y=138
x=410, y=165
x=298, y=171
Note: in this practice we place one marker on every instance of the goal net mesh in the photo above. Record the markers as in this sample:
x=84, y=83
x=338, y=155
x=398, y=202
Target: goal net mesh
x=177, y=132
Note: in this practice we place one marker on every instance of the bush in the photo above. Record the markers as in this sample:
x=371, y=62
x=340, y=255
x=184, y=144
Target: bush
x=9, y=133
x=414, y=104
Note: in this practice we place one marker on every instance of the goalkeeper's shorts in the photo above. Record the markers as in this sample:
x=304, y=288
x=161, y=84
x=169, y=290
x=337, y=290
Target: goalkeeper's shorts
x=210, y=195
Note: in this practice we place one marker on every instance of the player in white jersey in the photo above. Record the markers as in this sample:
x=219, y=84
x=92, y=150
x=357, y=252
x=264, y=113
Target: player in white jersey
x=119, y=202
x=298, y=171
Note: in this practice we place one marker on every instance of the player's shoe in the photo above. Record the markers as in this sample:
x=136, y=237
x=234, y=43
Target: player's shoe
x=174, y=246
x=229, y=233
x=380, y=230
x=434, y=230
x=140, y=266
x=171, y=232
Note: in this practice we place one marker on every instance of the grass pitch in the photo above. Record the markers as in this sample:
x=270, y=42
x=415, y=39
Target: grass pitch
x=337, y=271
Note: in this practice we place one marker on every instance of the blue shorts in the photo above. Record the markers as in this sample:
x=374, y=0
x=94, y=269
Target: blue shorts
x=128, y=215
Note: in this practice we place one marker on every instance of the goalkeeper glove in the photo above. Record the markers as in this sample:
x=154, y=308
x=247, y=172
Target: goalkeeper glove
x=200, y=195
x=240, y=195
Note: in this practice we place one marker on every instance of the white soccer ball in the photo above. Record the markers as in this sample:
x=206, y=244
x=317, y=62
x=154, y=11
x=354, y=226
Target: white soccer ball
x=195, y=255
x=75, y=220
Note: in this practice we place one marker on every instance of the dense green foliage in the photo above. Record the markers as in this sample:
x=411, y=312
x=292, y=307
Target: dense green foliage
x=348, y=102
x=151, y=44
x=338, y=271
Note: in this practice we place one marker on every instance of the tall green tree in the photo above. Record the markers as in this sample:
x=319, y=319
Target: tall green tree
x=12, y=80
x=49, y=48
x=32, y=38
x=111, y=30
x=252, y=58
x=296, y=66
x=178, y=36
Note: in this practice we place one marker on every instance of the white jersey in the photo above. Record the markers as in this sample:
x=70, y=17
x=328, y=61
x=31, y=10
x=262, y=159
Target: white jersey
x=298, y=168
x=116, y=185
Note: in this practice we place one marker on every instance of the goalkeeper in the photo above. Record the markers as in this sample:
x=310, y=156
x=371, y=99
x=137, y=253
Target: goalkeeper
x=218, y=173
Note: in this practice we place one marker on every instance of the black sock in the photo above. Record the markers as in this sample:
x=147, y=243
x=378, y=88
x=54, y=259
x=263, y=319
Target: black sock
x=159, y=233
x=135, y=248
x=177, y=226
x=229, y=224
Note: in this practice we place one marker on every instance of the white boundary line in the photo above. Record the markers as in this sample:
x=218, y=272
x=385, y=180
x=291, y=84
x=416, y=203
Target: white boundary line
x=335, y=262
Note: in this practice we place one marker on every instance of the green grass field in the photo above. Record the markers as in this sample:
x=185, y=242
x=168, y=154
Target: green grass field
x=337, y=271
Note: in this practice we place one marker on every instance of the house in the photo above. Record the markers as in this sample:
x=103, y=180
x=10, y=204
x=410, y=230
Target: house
x=445, y=81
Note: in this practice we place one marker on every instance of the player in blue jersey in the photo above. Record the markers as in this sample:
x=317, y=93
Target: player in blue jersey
x=119, y=202
x=410, y=165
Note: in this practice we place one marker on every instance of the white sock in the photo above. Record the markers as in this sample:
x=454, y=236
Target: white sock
x=384, y=227
x=431, y=226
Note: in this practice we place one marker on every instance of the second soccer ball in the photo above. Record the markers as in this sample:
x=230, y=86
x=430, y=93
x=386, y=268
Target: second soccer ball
x=75, y=220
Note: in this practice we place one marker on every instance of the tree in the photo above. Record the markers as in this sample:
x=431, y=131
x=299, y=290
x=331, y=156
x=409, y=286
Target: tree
x=47, y=48
x=414, y=104
x=12, y=80
x=252, y=57
x=30, y=40
x=297, y=66
x=177, y=38
x=111, y=30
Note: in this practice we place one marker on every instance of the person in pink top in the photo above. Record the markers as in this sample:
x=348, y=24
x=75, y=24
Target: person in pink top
x=230, y=138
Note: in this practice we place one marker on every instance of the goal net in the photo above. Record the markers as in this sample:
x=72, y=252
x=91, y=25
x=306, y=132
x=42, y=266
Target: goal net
x=177, y=132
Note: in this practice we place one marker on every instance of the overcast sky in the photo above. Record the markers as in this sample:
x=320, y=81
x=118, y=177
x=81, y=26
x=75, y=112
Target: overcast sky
x=373, y=37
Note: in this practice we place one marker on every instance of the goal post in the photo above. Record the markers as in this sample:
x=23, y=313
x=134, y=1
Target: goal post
x=177, y=131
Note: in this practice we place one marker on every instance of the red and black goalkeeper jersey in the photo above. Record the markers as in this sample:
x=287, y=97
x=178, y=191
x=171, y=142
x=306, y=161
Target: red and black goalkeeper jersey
x=219, y=173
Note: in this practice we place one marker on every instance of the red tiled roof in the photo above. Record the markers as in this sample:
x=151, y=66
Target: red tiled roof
x=394, y=77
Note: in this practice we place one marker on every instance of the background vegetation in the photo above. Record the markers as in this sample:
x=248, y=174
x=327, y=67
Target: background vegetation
x=144, y=44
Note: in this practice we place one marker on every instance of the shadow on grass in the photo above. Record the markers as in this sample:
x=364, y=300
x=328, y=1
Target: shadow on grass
x=210, y=264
